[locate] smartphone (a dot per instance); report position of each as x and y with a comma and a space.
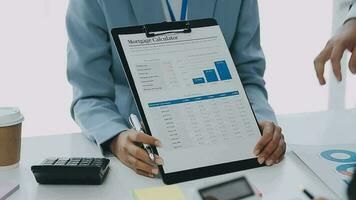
235, 189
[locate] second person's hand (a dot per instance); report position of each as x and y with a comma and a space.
125, 148
271, 148
334, 50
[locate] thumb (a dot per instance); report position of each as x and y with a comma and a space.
352, 62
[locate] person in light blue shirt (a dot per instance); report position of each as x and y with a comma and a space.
102, 99
344, 39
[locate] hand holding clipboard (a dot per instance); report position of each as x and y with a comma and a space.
131, 153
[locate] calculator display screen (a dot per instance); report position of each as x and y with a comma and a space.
231, 190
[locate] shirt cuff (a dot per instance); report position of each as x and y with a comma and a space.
105, 131
258, 100
351, 14
105, 147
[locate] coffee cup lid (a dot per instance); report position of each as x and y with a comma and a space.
10, 116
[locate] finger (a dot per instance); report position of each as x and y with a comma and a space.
159, 160
144, 138
140, 172
143, 126
320, 198
271, 146
335, 59
125, 161
352, 62
139, 165
320, 60
278, 161
267, 136
143, 173
139, 153
276, 156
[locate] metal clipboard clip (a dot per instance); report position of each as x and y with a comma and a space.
176, 27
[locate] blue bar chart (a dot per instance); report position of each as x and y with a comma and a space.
210, 75
198, 80
223, 70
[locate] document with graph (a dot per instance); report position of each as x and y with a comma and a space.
334, 164
192, 97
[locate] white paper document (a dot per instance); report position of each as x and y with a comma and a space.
334, 164
192, 97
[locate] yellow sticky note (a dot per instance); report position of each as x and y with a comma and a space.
170, 192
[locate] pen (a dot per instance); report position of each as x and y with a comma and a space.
306, 192
135, 123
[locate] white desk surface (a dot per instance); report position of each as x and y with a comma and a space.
277, 182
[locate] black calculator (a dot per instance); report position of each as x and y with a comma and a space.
81, 171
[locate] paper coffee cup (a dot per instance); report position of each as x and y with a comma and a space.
10, 137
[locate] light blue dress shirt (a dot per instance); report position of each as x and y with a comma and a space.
352, 12
102, 100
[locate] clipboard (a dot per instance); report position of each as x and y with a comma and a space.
215, 85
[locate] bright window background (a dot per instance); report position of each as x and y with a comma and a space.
33, 59
33, 65
292, 34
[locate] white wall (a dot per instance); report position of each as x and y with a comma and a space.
33, 59
33, 64
293, 33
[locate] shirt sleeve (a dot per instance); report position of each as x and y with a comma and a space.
88, 71
249, 60
352, 12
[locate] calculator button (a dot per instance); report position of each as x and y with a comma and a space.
49, 161
48, 164
85, 162
59, 164
97, 162
63, 160
72, 164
